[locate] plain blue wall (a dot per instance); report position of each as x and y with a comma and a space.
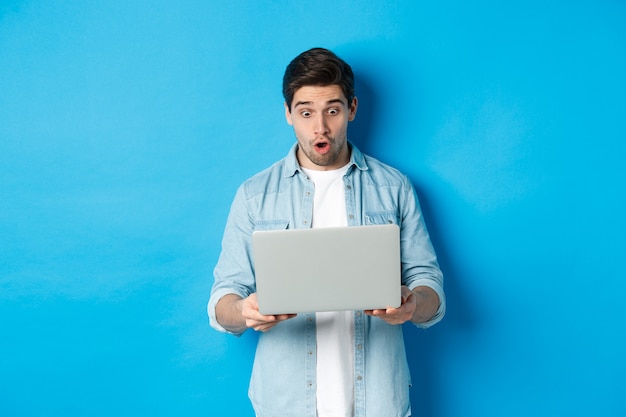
125, 128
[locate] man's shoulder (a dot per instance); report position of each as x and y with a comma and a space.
265, 180
274, 170
383, 172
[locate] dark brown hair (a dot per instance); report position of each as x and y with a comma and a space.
320, 67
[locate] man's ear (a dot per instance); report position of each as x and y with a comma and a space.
288, 114
353, 107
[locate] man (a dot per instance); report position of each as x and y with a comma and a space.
338, 363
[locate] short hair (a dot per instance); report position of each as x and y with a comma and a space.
317, 67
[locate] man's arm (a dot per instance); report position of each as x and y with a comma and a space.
419, 306
237, 314
420, 269
426, 304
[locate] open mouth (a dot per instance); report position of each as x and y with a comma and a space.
322, 147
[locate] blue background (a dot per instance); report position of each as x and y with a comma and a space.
125, 128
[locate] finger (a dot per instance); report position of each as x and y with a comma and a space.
264, 323
264, 327
405, 293
251, 311
377, 312
282, 317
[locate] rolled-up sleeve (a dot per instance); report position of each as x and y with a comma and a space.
234, 272
419, 261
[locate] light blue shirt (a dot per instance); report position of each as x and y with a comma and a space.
283, 375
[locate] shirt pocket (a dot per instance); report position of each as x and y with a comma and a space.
271, 225
382, 217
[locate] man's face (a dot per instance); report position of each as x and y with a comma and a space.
320, 116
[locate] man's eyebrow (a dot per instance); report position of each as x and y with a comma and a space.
308, 103
302, 103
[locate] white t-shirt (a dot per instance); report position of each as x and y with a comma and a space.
335, 330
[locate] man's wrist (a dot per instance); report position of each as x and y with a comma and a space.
427, 304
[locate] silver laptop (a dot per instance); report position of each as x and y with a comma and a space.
327, 269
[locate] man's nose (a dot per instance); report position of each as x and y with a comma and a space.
321, 125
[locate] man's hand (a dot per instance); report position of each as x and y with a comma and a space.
257, 321
418, 306
237, 314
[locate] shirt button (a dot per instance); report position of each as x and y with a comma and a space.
358, 378
349, 187
359, 346
351, 216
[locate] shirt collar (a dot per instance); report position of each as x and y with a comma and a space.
291, 166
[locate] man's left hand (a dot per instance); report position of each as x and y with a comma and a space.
419, 305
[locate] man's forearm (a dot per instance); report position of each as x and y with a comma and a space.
427, 304
228, 313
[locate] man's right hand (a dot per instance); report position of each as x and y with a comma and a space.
237, 314
256, 320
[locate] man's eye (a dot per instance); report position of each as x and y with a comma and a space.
305, 113
333, 111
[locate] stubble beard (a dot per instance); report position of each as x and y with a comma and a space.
324, 160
